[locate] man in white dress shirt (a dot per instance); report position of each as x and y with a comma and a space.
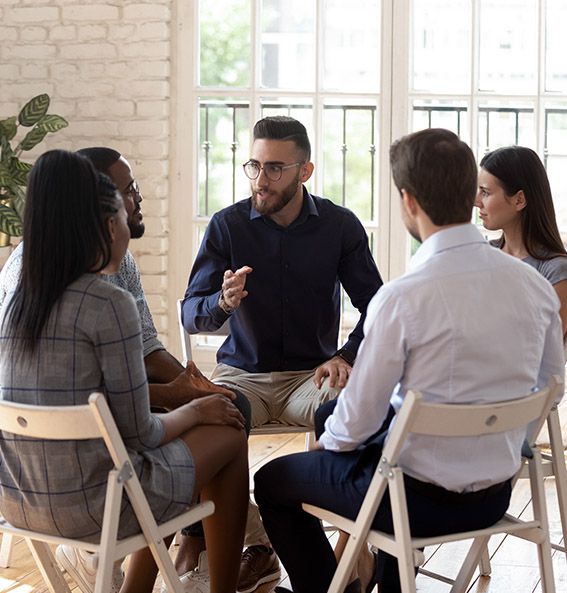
467, 323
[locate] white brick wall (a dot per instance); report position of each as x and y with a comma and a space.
106, 66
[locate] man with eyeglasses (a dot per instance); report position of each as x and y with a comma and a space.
273, 264
171, 385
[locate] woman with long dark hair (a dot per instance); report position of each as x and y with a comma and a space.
514, 196
64, 333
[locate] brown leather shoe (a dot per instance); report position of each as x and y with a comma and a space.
259, 564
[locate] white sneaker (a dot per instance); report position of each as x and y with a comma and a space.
82, 567
196, 580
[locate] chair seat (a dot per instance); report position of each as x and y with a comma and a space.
278, 428
124, 546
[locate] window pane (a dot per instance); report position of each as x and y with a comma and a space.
223, 139
504, 125
556, 161
441, 45
556, 130
224, 48
557, 173
508, 46
556, 65
349, 160
299, 108
451, 115
352, 45
288, 44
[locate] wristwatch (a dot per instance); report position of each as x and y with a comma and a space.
225, 306
346, 355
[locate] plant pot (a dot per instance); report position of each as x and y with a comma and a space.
4, 239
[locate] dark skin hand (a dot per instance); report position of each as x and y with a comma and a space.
188, 384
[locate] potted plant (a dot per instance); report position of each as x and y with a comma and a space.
13, 171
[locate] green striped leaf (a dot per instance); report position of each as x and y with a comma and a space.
10, 222
18, 200
5, 176
8, 128
33, 137
19, 171
34, 110
7, 151
52, 123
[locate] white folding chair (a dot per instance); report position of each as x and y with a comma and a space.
95, 421
265, 429
416, 416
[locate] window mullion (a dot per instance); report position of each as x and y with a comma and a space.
396, 43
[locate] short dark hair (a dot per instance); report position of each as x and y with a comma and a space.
520, 168
440, 171
101, 157
282, 127
65, 236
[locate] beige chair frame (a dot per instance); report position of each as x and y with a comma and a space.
95, 421
553, 465
265, 429
416, 416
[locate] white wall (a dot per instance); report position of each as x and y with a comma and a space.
106, 67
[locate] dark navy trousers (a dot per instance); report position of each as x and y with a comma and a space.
338, 482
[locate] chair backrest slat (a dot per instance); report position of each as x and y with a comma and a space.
49, 422
462, 420
465, 420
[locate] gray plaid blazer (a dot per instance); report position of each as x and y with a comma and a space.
92, 342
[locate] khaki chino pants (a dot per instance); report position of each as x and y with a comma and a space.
288, 397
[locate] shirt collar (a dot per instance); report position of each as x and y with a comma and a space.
309, 208
444, 239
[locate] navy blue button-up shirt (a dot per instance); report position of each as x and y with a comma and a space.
290, 319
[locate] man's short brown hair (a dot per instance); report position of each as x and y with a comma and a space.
440, 171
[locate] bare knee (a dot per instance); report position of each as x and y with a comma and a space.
213, 448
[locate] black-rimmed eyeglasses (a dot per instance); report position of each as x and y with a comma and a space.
271, 171
133, 190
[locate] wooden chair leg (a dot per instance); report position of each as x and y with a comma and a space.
6, 550
484, 563
559, 471
48, 567
540, 513
472, 560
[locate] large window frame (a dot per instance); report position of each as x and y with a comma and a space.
395, 117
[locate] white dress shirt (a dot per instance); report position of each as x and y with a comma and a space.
467, 324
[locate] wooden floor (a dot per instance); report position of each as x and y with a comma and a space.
514, 561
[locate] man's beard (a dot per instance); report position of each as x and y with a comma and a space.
282, 199
136, 228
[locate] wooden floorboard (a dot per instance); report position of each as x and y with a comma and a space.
514, 562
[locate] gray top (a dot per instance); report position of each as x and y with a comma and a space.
127, 277
91, 342
554, 270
